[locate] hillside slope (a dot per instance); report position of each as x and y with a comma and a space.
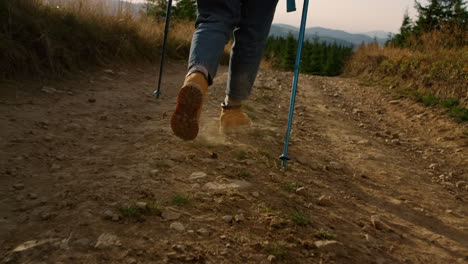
91, 173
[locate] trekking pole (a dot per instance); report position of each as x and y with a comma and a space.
284, 157
166, 31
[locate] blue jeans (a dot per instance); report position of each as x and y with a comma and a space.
217, 20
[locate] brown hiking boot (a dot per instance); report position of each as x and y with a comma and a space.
184, 121
233, 119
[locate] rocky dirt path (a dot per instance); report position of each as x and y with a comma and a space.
90, 173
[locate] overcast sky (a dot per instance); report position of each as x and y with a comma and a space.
349, 15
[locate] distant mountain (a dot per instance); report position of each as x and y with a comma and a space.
378, 34
326, 35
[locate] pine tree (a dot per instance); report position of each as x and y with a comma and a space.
185, 10
156, 9
289, 53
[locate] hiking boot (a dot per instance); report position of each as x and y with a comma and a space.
185, 120
233, 119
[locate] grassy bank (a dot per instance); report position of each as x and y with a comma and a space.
429, 70
38, 39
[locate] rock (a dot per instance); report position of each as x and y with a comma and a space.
197, 175
363, 142
83, 242
179, 248
47, 215
278, 223
170, 215
178, 226
141, 205
271, 258
106, 240
204, 232
376, 222
50, 90
301, 191
335, 165
324, 200
394, 102
256, 194
357, 111
108, 214
175, 156
224, 186
154, 173
239, 218
433, 166
227, 219
18, 186
460, 184
131, 261
109, 71
321, 244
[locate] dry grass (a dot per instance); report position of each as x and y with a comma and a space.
63, 36
434, 63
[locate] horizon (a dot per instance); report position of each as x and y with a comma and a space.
358, 16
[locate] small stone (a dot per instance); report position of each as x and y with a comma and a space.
239, 218
271, 258
203, 232
363, 142
106, 240
301, 191
321, 244
18, 186
131, 261
324, 200
357, 111
109, 71
141, 205
108, 214
433, 166
170, 215
178, 226
335, 165
175, 156
179, 248
376, 222
256, 194
197, 175
460, 184
154, 173
227, 219
32, 196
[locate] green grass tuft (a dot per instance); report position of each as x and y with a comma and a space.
299, 218
181, 199
279, 249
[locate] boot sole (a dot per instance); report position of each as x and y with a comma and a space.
184, 121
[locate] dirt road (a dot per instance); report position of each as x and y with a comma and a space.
91, 173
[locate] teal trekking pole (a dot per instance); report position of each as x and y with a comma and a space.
291, 7
163, 53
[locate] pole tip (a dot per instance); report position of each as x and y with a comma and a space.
157, 93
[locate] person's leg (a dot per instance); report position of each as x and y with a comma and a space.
250, 39
249, 43
215, 21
